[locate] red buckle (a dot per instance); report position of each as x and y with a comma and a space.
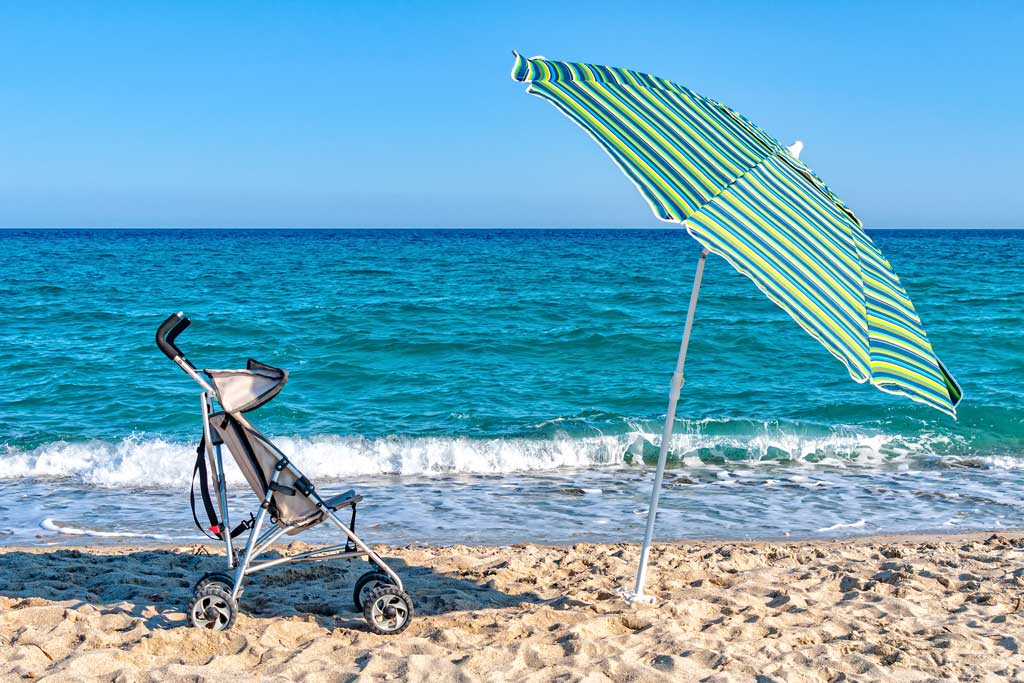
215, 529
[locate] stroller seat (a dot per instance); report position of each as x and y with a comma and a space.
290, 504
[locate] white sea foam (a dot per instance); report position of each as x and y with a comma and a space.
859, 524
148, 461
68, 530
137, 461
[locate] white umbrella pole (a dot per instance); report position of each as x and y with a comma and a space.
666, 436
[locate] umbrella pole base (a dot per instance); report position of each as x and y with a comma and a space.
634, 598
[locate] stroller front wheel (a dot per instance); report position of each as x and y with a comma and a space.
213, 608
219, 579
388, 610
366, 583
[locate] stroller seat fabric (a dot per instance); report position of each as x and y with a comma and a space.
257, 460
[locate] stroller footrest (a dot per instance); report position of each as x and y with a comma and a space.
342, 500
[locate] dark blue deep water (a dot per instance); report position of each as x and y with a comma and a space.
497, 385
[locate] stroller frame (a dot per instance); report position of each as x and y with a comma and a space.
385, 597
242, 562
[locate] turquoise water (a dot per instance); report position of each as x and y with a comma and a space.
497, 385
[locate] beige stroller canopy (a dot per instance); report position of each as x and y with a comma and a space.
239, 391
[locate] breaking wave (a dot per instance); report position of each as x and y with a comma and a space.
142, 461
136, 461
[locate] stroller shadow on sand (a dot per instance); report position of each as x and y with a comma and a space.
156, 586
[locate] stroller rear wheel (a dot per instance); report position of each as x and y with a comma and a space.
213, 608
219, 579
388, 610
366, 583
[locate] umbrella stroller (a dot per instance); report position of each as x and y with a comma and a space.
286, 495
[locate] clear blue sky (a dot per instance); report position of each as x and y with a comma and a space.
403, 114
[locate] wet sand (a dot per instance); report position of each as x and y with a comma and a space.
910, 608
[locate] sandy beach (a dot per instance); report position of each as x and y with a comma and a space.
921, 608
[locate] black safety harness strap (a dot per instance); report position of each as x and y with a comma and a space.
204, 493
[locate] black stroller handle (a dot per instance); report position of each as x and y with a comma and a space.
168, 331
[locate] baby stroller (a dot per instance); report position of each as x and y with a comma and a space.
286, 496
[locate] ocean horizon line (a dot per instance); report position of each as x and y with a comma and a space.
443, 228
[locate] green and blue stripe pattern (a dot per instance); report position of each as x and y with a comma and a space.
743, 196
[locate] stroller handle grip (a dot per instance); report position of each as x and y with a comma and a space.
168, 331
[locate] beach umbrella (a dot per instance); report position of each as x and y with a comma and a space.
747, 198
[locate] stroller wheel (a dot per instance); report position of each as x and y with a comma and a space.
388, 610
369, 581
213, 608
219, 579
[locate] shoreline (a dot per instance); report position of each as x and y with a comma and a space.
68, 541
892, 607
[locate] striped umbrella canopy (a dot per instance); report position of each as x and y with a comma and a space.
749, 199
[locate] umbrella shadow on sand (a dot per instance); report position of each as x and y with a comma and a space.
156, 586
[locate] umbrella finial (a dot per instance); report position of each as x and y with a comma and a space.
796, 148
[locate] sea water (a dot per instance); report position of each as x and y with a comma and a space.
495, 386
